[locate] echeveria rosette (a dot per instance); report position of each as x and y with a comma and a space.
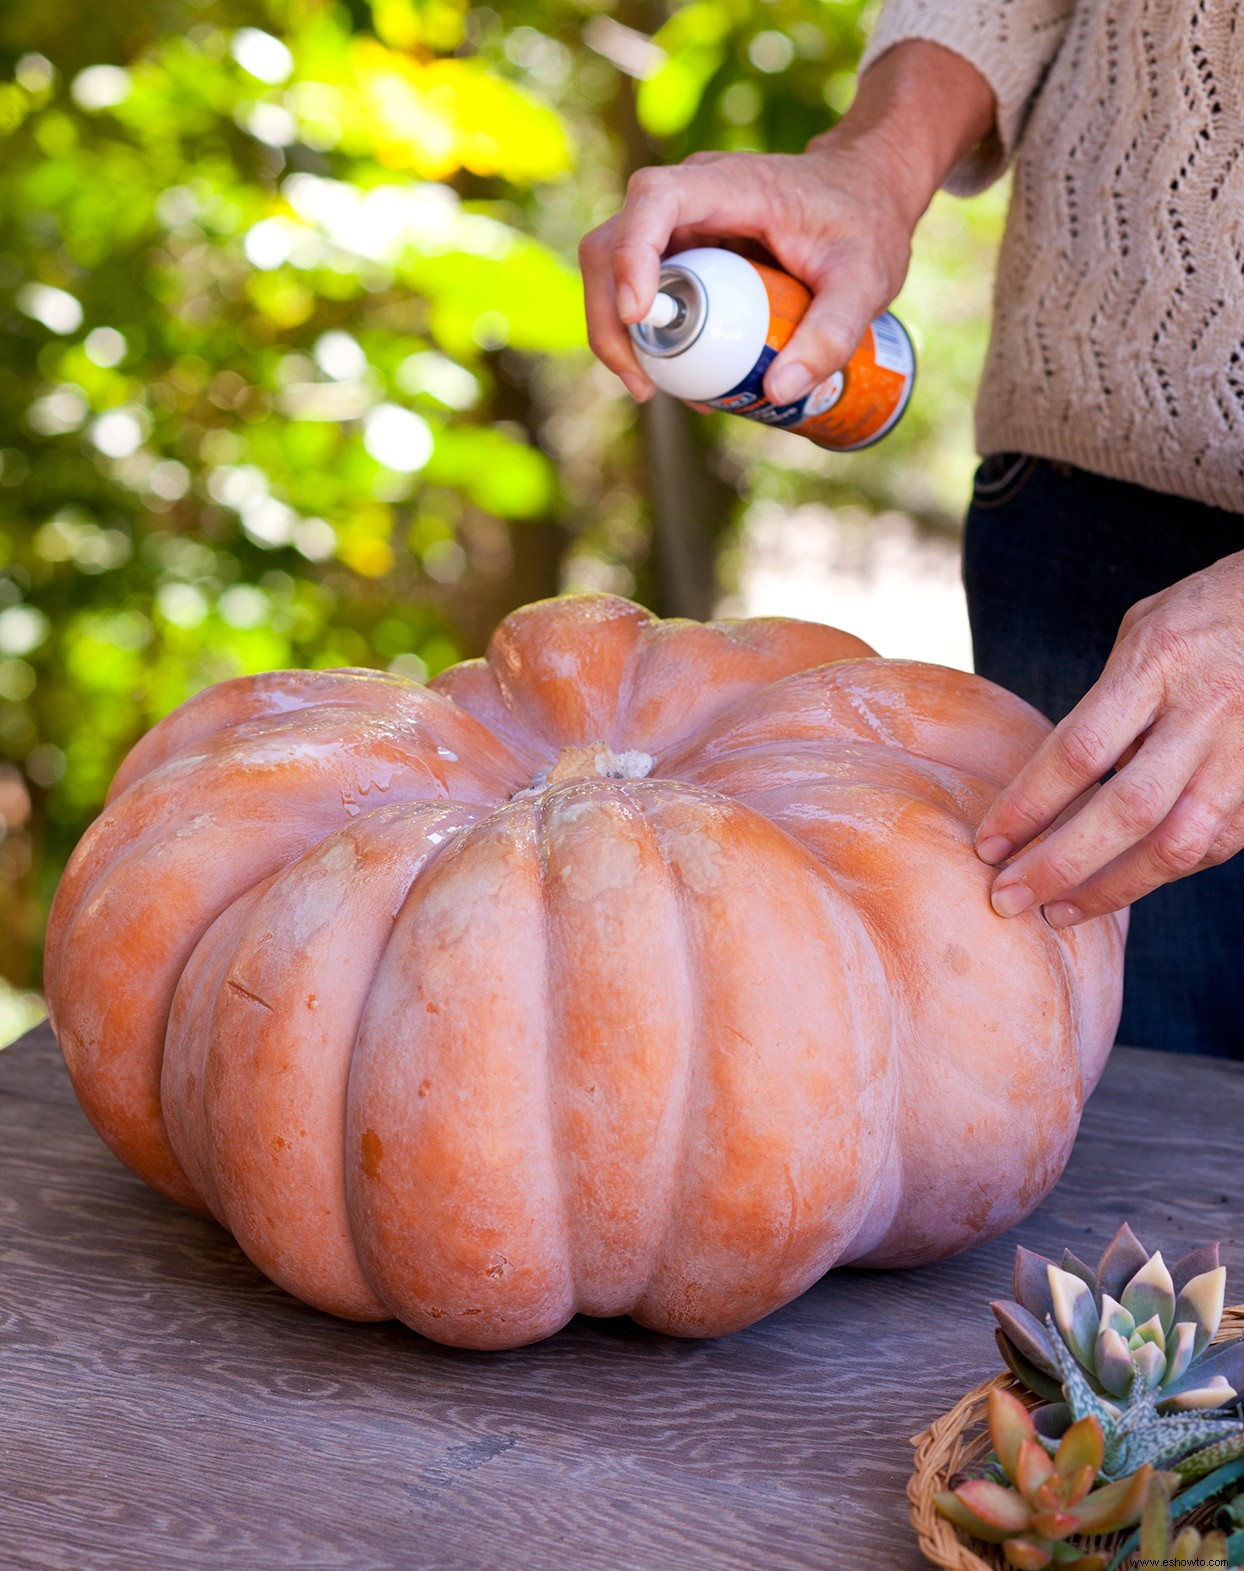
1131, 1319
1052, 1498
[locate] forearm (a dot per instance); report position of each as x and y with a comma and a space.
918, 110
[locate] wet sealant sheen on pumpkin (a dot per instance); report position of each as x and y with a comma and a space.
718, 322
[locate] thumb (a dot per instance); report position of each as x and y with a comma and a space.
824, 341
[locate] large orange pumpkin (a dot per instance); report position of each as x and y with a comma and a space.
641, 968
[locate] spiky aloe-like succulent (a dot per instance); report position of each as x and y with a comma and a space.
1053, 1497
1137, 1433
1130, 1319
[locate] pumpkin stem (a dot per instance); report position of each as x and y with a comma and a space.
574, 763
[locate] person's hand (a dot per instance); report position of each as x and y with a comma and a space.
831, 217
839, 216
1168, 711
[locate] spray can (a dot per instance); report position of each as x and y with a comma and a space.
719, 320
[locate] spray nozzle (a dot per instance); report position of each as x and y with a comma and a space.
664, 311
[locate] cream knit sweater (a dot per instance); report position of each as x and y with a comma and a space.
1118, 328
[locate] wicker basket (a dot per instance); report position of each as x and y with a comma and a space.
960, 1438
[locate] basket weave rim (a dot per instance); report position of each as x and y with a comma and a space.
938, 1453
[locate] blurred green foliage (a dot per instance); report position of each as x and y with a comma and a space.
292, 365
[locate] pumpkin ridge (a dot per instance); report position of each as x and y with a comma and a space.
394, 843
225, 759
341, 687
107, 872
693, 1090
553, 1052
724, 1206
816, 698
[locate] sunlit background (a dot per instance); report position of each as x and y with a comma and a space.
292, 365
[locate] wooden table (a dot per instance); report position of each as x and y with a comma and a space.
164, 1408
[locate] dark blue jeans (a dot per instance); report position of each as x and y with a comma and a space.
1053, 558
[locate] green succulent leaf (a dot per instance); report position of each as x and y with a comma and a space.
1151, 1330
1213, 1393
1155, 1523
1081, 1398
1075, 1313
1151, 1292
1026, 1334
1112, 1359
1032, 1283
1115, 1318
1124, 1255
1207, 1460
1195, 1263
1200, 1301
1076, 1267
1226, 1359
1150, 1363
1043, 1385
1180, 1350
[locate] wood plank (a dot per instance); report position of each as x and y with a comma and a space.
163, 1406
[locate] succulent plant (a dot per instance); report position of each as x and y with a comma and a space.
1052, 1498
1161, 1545
1138, 1432
1129, 1319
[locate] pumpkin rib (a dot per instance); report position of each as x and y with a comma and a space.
161, 866
607, 893
246, 699
187, 1044
276, 1104
823, 704
219, 767
896, 945
542, 659
449, 1193
740, 657
751, 1093
554, 1050
472, 687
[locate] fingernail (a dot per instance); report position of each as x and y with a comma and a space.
639, 391
993, 849
789, 382
1062, 913
628, 302
1012, 899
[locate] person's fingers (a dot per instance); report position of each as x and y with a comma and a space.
1125, 811
1203, 829
1079, 751
830, 331
658, 201
609, 340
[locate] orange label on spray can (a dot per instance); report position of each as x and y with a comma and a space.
850, 409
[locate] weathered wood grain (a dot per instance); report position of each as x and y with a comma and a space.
164, 1408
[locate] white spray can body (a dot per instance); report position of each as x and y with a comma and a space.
718, 322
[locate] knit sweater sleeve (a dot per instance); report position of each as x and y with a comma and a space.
1010, 42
